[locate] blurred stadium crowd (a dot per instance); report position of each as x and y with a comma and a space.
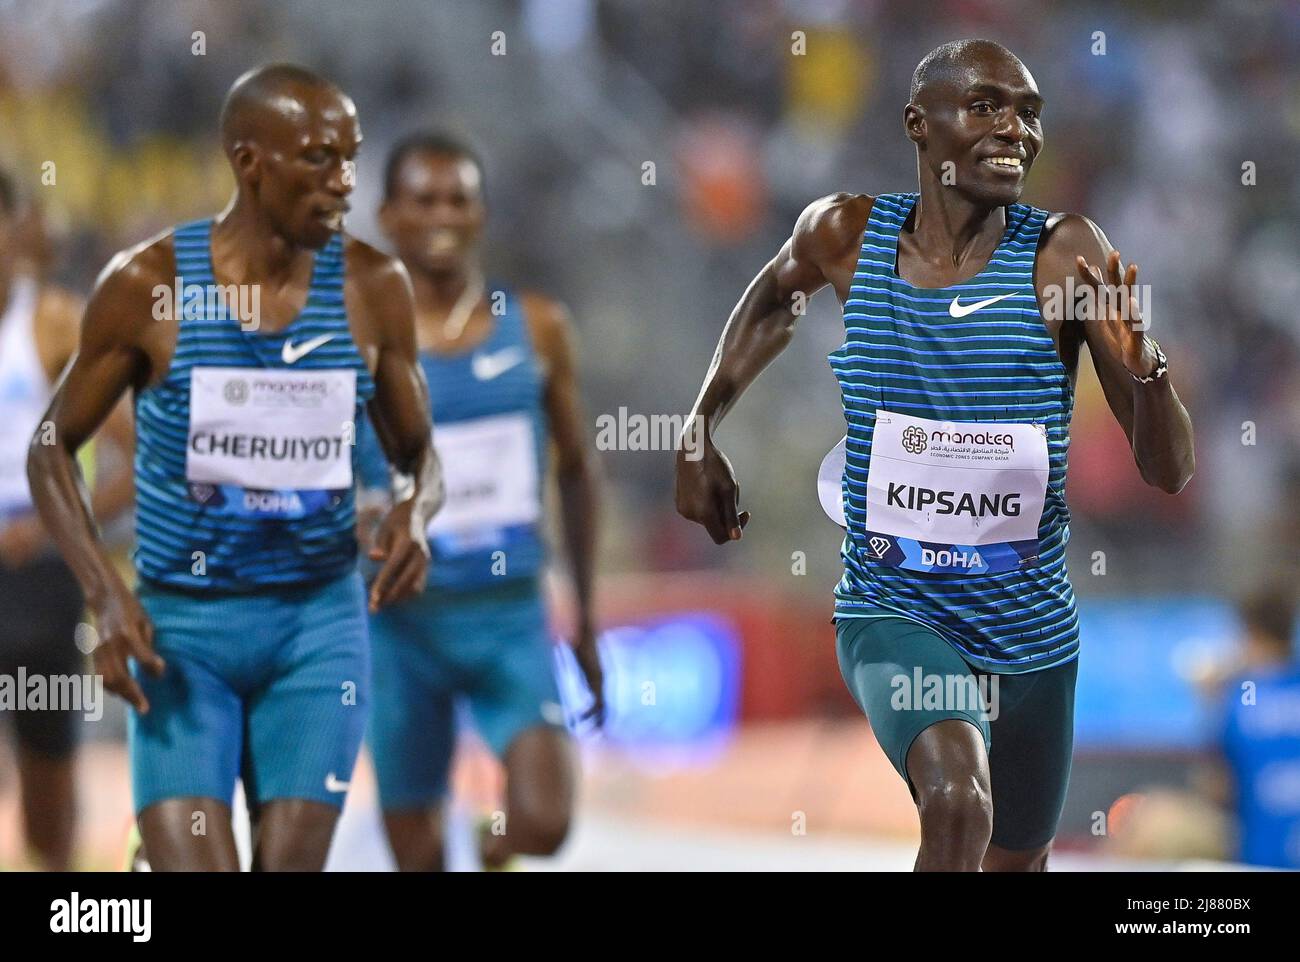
1174, 126
1148, 138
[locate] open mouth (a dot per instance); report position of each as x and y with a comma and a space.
443, 242
332, 217
1008, 164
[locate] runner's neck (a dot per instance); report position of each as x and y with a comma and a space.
437, 293
447, 307
954, 228
246, 249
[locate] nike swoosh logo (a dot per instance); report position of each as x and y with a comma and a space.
488, 366
332, 784
958, 310
293, 352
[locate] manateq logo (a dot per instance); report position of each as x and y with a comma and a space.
973, 437
914, 439
236, 390
75, 915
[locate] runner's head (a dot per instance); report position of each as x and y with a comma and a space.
1268, 618
290, 136
973, 101
433, 208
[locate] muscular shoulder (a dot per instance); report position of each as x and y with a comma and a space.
373, 273
1066, 236
141, 268
378, 295
549, 323
130, 285
831, 224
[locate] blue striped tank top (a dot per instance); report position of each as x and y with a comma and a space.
238, 409
490, 432
905, 353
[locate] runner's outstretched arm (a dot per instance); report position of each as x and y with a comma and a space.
759, 329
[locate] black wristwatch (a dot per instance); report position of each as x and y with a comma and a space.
1162, 366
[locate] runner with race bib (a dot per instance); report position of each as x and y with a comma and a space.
503, 385
958, 388
252, 342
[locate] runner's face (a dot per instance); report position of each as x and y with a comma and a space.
436, 215
990, 110
306, 169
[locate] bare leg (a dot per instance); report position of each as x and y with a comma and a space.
293, 835
189, 835
415, 837
541, 778
49, 802
949, 769
1007, 860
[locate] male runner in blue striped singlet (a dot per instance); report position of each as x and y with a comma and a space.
964, 315
503, 381
253, 343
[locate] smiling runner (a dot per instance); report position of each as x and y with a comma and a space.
962, 340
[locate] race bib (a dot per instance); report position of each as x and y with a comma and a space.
490, 472
954, 496
270, 443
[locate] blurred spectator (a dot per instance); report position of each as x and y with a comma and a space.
1260, 735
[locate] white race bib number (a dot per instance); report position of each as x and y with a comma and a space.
490, 471
955, 496
265, 441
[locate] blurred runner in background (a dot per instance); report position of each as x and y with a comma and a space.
504, 390
40, 602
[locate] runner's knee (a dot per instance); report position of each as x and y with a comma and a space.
544, 825
1007, 860
955, 804
415, 838
294, 836
949, 772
